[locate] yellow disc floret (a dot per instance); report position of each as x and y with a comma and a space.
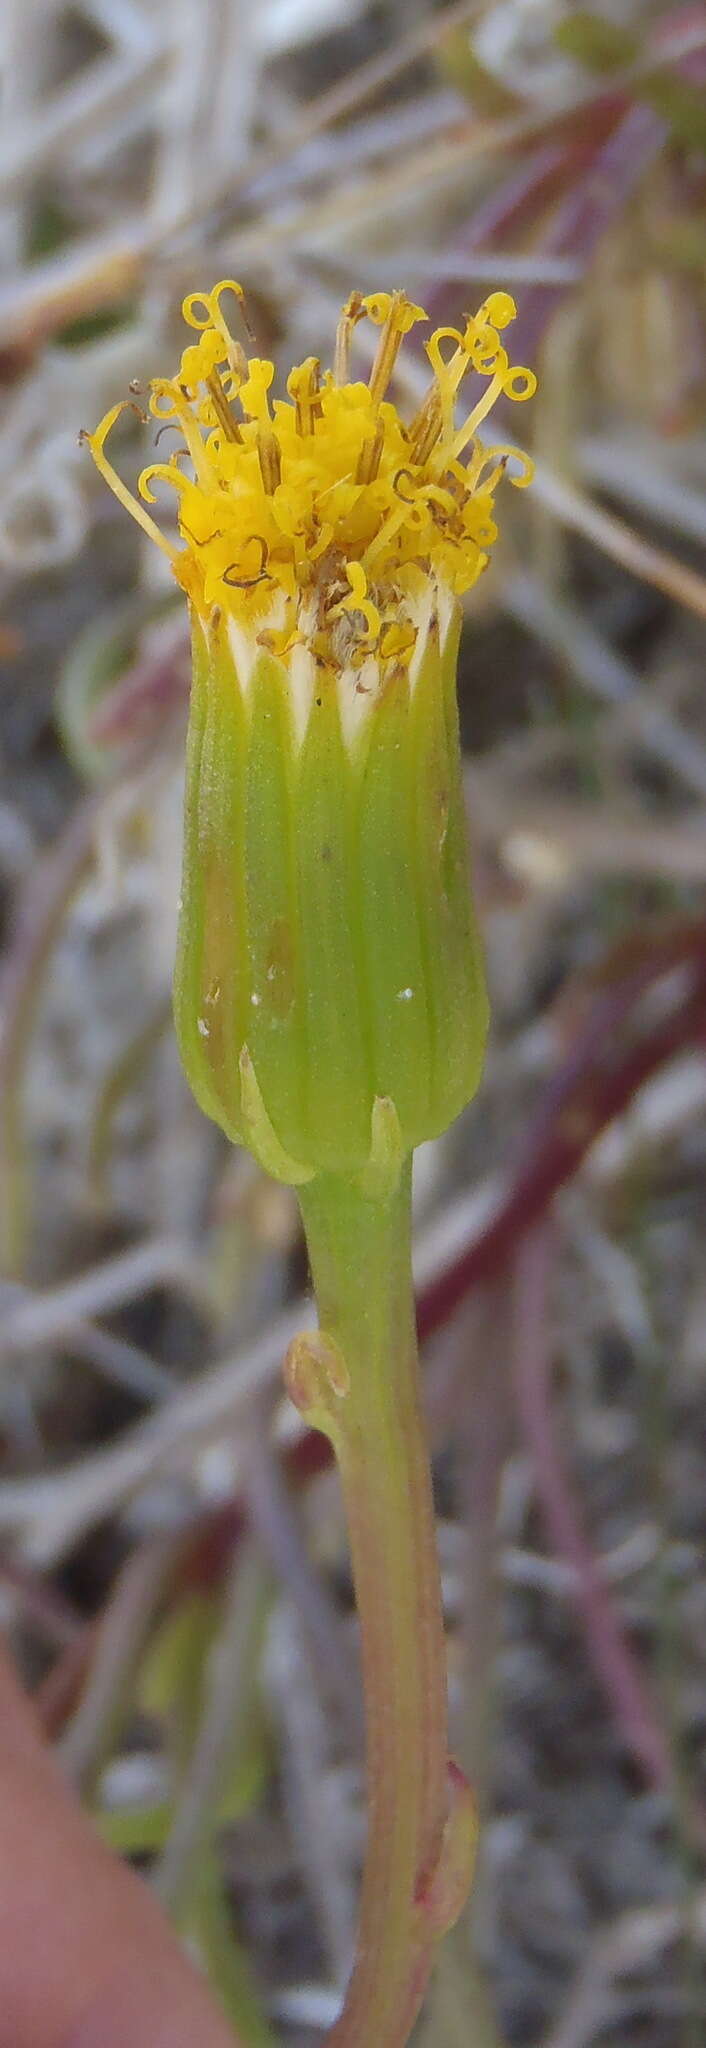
323, 513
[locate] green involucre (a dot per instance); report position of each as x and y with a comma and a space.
328, 951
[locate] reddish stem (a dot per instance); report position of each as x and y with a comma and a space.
597, 1082
612, 1658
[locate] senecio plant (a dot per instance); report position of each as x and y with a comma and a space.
329, 994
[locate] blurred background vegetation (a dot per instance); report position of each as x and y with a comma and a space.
173, 1561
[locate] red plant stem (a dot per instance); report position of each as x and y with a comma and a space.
581, 220
601, 163
597, 1083
612, 1658
517, 201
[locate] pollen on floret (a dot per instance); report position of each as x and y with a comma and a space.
319, 518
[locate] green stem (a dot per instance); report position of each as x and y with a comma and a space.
360, 1383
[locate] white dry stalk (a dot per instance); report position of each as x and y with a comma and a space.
37, 1318
125, 1625
313, 1789
222, 1731
595, 666
636, 1942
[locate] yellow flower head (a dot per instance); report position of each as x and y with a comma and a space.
321, 518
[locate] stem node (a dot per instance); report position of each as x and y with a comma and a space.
316, 1378
442, 1895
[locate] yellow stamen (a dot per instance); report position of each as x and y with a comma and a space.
396, 314
303, 385
221, 408
327, 491
353, 311
368, 462
426, 426
270, 461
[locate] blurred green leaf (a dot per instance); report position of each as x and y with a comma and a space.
49, 227
172, 1688
681, 242
592, 40
171, 1680
681, 105
93, 326
135, 1830
99, 655
459, 66
210, 1926
604, 47
98, 658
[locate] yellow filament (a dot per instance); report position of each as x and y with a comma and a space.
96, 443
215, 318
358, 600
168, 474
499, 383
495, 461
181, 410
449, 373
479, 413
395, 520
